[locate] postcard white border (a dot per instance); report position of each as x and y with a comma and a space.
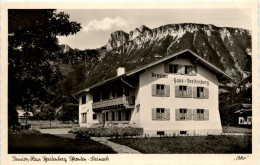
6, 159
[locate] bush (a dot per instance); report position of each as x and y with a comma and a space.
20, 132
84, 132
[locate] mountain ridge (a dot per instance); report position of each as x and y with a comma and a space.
227, 48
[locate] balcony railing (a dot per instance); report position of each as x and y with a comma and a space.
123, 100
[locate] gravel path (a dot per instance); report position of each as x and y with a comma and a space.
120, 149
55, 131
63, 132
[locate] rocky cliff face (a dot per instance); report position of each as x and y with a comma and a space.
227, 48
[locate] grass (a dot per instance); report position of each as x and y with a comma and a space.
45, 143
231, 129
190, 144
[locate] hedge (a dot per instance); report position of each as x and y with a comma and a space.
84, 132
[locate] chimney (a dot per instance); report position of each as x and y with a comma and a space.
120, 71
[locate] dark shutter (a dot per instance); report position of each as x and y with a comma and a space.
166, 68
167, 114
194, 92
153, 114
167, 88
177, 114
189, 114
206, 93
177, 91
153, 89
206, 114
195, 115
189, 91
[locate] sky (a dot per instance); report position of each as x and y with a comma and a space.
98, 24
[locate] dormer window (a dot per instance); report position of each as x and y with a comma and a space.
181, 69
83, 99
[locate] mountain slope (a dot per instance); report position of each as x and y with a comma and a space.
227, 48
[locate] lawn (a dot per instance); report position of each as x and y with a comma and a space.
190, 144
232, 129
45, 143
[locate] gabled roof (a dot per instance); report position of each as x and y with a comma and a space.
164, 59
21, 113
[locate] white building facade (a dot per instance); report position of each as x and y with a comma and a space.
176, 95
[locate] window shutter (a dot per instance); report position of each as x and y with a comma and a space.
167, 88
189, 91
153, 114
167, 113
206, 93
189, 114
206, 114
194, 92
153, 89
195, 116
166, 68
181, 69
177, 114
177, 91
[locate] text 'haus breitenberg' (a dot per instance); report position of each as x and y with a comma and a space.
177, 94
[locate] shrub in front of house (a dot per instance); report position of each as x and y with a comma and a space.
83, 132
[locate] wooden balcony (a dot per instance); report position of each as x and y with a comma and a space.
123, 101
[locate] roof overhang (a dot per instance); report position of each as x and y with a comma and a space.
198, 59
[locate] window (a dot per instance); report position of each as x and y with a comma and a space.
183, 114
241, 121
83, 99
201, 92
183, 132
127, 115
113, 93
106, 116
119, 115
94, 116
183, 91
181, 69
105, 96
83, 117
200, 114
173, 68
113, 115
96, 96
160, 113
161, 90
119, 91
161, 133
188, 69
249, 119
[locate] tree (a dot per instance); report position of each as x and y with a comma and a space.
68, 113
33, 56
